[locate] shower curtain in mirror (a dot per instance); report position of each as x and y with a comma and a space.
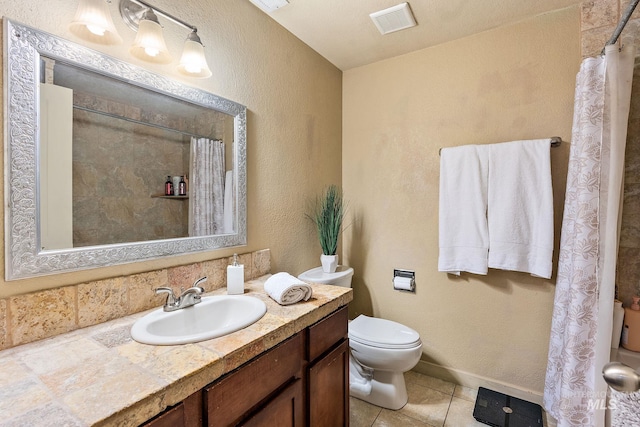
580, 339
206, 195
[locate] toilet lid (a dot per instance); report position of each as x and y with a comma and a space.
317, 275
382, 333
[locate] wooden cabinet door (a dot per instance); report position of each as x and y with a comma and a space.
284, 410
229, 400
329, 389
187, 413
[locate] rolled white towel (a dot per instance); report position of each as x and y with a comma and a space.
286, 289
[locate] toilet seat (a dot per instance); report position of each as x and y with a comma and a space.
382, 333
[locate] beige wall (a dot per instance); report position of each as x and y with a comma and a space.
293, 97
506, 84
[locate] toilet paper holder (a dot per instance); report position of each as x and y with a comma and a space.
404, 280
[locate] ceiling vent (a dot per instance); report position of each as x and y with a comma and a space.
395, 18
270, 5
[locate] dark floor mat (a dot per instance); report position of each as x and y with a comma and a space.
501, 410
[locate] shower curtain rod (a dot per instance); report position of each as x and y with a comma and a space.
140, 122
621, 24
555, 141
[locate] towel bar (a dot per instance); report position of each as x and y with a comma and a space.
555, 142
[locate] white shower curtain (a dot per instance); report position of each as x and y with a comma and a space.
206, 198
580, 339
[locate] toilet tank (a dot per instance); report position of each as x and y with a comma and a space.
342, 276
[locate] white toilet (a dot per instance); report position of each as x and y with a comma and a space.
381, 350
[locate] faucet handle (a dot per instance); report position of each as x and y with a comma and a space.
171, 297
195, 290
200, 280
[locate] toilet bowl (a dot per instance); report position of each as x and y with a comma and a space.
380, 350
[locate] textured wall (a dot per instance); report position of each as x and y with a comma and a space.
293, 97
511, 83
599, 20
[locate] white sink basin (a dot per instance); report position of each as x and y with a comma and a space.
215, 316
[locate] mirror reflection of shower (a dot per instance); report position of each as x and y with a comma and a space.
106, 150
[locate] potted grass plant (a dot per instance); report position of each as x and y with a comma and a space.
327, 214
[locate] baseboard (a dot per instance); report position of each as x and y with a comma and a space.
467, 379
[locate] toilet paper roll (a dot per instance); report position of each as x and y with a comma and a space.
403, 283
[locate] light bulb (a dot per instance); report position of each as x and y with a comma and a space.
98, 31
151, 51
192, 69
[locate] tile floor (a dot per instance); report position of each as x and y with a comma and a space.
432, 403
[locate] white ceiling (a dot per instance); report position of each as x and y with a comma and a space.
342, 32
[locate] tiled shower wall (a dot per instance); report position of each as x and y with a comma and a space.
43, 314
599, 19
118, 167
628, 275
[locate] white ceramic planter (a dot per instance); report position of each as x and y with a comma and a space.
329, 263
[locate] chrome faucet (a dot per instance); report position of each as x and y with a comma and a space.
191, 296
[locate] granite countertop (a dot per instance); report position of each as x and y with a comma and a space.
100, 376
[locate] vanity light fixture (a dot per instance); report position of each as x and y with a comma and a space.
149, 44
193, 62
93, 22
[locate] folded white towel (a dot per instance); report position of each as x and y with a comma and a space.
286, 289
463, 234
520, 207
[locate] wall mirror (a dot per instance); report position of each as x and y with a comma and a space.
90, 145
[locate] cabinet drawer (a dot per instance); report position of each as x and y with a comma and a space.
227, 400
327, 333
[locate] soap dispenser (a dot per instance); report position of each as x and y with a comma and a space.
235, 277
631, 327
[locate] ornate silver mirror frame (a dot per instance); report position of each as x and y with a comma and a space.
23, 258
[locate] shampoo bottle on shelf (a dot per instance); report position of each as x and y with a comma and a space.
182, 187
168, 187
631, 326
235, 277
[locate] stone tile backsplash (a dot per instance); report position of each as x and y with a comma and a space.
44, 314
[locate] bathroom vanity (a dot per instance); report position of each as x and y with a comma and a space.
302, 381
288, 368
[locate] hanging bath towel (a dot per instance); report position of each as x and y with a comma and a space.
463, 232
496, 208
520, 207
